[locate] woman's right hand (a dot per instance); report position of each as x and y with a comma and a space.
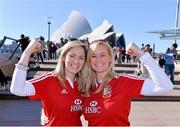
33, 47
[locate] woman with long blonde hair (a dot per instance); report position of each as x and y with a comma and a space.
108, 98
59, 91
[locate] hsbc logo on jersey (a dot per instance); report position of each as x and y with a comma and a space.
77, 102
76, 106
93, 103
93, 108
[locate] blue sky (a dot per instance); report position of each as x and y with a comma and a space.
132, 17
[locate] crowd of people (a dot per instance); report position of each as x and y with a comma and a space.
121, 55
48, 49
84, 83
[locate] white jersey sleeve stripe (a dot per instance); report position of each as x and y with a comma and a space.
131, 76
41, 77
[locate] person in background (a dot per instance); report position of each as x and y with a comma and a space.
170, 58
108, 96
40, 53
141, 70
53, 48
142, 46
123, 54
24, 41
3, 80
60, 90
161, 61
144, 71
117, 54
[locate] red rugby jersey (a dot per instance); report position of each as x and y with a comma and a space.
113, 110
63, 107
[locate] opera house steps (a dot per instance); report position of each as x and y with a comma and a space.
128, 68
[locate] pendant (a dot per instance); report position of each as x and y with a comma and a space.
107, 92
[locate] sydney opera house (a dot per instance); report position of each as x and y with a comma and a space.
77, 26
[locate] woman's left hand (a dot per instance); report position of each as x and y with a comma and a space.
44, 118
134, 50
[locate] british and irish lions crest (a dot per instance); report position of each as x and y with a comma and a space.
107, 92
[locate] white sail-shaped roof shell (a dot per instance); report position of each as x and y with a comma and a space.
75, 26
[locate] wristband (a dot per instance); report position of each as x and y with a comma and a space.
22, 67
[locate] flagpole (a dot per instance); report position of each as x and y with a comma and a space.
177, 17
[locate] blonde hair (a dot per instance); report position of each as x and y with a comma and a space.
92, 74
59, 71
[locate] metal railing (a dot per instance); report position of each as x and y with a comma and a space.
10, 38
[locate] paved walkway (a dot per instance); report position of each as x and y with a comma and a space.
155, 114
22, 112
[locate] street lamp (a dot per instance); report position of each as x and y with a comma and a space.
49, 21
